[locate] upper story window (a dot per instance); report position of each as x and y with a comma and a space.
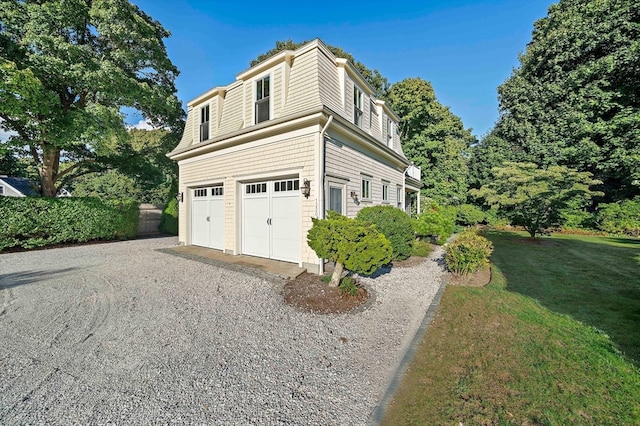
357, 106
204, 123
389, 132
262, 100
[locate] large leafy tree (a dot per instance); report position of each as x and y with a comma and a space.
373, 77
575, 98
535, 198
433, 138
67, 68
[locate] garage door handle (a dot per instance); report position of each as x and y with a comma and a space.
208, 219
269, 221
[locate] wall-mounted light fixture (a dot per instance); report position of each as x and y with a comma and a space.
180, 197
306, 188
354, 196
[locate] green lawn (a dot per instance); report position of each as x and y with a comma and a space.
542, 344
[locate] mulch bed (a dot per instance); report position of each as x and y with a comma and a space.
308, 293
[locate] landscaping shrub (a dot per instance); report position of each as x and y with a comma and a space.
469, 215
421, 249
394, 224
620, 218
468, 253
353, 245
169, 219
38, 222
436, 222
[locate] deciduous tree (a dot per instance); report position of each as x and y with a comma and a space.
67, 68
533, 197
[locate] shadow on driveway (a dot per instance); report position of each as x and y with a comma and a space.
17, 279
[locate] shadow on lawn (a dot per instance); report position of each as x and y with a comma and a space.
593, 280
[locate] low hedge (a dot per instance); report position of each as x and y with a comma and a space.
37, 222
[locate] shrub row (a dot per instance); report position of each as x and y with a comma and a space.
468, 253
37, 222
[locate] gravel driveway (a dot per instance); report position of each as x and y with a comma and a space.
121, 333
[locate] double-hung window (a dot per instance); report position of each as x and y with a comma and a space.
357, 106
262, 100
399, 197
389, 132
366, 188
204, 123
385, 192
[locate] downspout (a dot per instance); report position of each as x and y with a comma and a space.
321, 175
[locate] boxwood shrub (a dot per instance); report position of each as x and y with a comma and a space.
37, 222
394, 224
169, 219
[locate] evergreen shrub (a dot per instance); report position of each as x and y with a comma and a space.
620, 218
394, 224
37, 222
435, 222
169, 218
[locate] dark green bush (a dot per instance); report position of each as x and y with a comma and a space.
469, 215
620, 218
468, 253
169, 219
436, 222
394, 224
348, 286
38, 222
353, 245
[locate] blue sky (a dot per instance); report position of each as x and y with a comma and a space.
464, 48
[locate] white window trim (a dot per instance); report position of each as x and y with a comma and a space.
356, 90
385, 185
200, 122
399, 200
254, 95
336, 183
369, 179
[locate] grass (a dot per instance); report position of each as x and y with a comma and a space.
542, 344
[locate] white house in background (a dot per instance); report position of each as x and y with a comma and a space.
294, 136
16, 187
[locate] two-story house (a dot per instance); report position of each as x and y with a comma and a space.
294, 136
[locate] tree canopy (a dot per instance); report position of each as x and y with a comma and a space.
433, 138
533, 197
67, 68
575, 98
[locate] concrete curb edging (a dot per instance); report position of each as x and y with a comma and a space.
375, 418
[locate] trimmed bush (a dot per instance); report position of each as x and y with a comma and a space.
37, 222
468, 253
620, 218
394, 224
469, 215
353, 245
169, 219
435, 222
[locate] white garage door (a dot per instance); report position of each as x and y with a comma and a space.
271, 219
207, 217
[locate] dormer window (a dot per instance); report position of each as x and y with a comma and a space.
262, 100
204, 123
389, 133
357, 106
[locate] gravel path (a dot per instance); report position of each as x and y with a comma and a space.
120, 333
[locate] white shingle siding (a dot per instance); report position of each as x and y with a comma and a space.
232, 116
304, 91
273, 157
347, 160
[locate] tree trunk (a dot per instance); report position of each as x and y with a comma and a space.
49, 172
337, 274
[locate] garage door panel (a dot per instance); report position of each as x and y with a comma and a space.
285, 228
255, 233
200, 223
216, 210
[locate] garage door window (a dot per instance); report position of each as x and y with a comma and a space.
286, 185
256, 188
201, 192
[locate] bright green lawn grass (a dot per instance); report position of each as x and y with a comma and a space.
496, 355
